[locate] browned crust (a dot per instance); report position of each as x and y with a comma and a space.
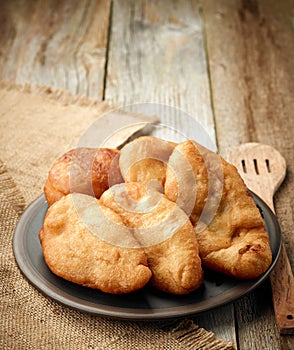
83, 170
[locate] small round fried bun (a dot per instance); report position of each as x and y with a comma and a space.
83, 170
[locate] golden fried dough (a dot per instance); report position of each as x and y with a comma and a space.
236, 241
87, 243
231, 234
165, 233
83, 170
144, 160
187, 179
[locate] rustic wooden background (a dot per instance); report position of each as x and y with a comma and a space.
229, 62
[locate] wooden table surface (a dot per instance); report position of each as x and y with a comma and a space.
228, 62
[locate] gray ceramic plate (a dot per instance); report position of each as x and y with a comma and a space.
147, 304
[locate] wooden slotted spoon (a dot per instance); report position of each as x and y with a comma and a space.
263, 169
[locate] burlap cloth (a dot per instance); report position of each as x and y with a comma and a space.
36, 127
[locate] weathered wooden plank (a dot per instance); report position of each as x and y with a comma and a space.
57, 43
156, 55
251, 53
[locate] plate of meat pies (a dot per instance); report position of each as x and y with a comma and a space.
155, 230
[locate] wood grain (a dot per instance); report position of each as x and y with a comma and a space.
156, 54
262, 168
251, 52
61, 44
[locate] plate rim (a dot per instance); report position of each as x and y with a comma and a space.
39, 281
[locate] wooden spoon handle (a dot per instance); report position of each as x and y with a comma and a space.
282, 283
